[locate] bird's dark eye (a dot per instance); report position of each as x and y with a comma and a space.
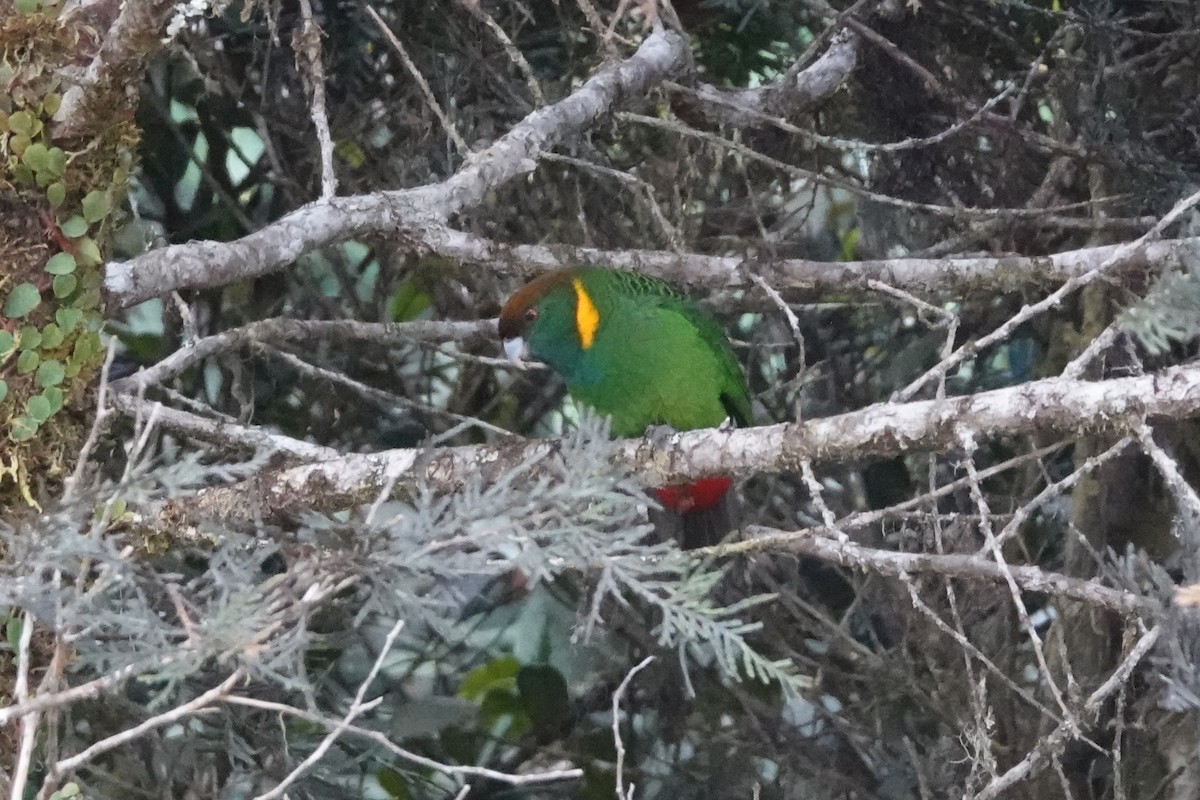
530, 314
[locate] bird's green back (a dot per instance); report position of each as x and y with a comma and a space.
657, 358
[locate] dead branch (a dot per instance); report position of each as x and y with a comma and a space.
208, 263
1048, 407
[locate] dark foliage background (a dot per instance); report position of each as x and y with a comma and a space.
1075, 124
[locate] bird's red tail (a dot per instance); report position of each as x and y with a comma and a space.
703, 510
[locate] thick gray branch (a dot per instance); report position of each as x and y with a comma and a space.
209, 264
1050, 407
793, 92
937, 277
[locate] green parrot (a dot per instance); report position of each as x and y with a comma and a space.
635, 348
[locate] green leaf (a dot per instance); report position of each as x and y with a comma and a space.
36, 157
26, 6
393, 783
545, 698
88, 299
23, 429
61, 264
51, 103
63, 286
7, 342
49, 373
29, 337
96, 205
86, 346
75, 227
38, 407
407, 302
12, 632
3, 389
21, 122
54, 396
52, 336
89, 253
56, 193
68, 318
18, 144
499, 673
28, 361
66, 792
24, 298
57, 164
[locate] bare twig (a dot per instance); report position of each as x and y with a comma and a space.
1053, 743
207, 264
1051, 301
447, 124
897, 564
66, 765
29, 722
476, 9
222, 433
357, 708
622, 793
307, 44
382, 740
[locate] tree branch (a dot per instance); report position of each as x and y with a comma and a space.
937, 277
208, 264
956, 565
1048, 407
118, 64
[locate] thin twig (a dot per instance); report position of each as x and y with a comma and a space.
514, 54
66, 765
447, 125
1053, 743
1050, 301
29, 722
307, 44
381, 739
622, 794
357, 708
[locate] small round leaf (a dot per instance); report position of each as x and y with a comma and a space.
64, 284
68, 318
29, 338
57, 161
51, 102
36, 156
27, 362
56, 193
23, 429
86, 300
49, 373
52, 336
7, 342
38, 407
3, 389
21, 300
61, 264
75, 227
89, 253
96, 206
21, 123
54, 396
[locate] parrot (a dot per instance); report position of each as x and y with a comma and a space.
638, 350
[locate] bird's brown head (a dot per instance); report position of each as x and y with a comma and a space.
536, 312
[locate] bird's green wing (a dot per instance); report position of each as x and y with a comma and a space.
667, 297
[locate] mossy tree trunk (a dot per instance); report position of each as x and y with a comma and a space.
67, 143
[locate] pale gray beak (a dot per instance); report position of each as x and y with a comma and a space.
515, 349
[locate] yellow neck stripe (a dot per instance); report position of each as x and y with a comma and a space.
587, 318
